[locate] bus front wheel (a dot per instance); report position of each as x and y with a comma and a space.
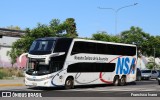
69, 84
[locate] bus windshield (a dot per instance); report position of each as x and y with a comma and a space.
41, 47
38, 67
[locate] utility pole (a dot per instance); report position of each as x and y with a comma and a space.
116, 13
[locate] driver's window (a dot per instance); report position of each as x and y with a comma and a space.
56, 66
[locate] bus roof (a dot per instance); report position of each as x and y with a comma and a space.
52, 38
97, 41
76, 39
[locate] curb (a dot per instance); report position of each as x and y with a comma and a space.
2, 85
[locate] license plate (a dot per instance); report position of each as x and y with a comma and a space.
34, 84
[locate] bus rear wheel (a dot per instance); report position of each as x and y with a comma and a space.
123, 81
69, 83
159, 82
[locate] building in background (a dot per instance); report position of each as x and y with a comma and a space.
7, 37
142, 62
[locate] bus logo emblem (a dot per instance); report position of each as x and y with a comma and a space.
124, 66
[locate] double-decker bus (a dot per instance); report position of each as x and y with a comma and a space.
68, 62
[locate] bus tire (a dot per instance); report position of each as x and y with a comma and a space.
69, 84
123, 81
149, 78
116, 81
158, 82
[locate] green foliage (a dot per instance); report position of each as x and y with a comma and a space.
9, 72
103, 36
134, 35
71, 28
150, 65
54, 29
143, 40
155, 43
115, 39
2, 74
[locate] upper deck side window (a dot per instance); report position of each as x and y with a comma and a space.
84, 47
100, 48
62, 45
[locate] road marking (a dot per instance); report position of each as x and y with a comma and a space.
115, 89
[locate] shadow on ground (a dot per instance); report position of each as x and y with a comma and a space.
142, 82
76, 87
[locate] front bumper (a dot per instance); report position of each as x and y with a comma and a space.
45, 83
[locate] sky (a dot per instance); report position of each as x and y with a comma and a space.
89, 19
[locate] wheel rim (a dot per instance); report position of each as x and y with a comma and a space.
69, 84
122, 81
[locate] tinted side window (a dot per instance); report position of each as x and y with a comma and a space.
62, 45
84, 47
91, 67
115, 49
102, 49
99, 48
57, 62
121, 50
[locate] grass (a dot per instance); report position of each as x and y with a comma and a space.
2, 75
7, 73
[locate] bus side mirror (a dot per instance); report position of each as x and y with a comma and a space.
53, 55
20, 57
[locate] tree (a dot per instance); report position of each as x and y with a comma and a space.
157, 46
57, 28
12, 55
136, 36
150, 65
115, 38
70, 28
103, 36
54, 29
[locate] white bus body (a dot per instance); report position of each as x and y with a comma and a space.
70, 62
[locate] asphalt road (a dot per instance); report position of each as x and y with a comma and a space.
146, 89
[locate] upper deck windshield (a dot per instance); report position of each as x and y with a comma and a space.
38, 67
41, 47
